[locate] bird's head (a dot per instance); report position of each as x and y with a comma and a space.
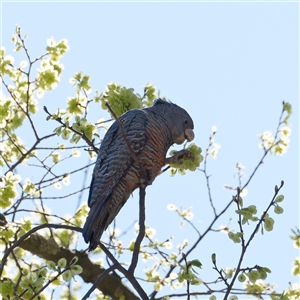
178, 120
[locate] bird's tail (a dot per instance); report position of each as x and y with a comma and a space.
100, 216
94, 226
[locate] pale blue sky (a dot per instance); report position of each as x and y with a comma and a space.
228, 64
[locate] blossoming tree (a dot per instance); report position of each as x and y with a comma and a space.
42, 250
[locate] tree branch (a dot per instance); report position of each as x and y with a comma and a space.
84, 137
207, 176
126, 273
140, 237
244, 248
195, 244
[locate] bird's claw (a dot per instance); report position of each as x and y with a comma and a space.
177, 157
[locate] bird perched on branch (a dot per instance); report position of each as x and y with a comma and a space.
131, 155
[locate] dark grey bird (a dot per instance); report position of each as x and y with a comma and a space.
150, 133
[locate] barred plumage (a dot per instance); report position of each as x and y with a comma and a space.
150, 132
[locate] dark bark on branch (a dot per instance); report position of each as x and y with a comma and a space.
141, 235
48, 249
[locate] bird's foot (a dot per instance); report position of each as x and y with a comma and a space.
177, 157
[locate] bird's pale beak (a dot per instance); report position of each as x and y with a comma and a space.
189, 134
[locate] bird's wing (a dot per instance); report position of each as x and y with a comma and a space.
113, 161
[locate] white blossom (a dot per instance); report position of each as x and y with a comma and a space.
171, 207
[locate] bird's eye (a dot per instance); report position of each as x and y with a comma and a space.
186, 121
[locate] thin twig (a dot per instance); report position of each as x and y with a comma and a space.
207, 176
244, 249
52, 280
99, 279
195, 244
266, 150
29, 151
126, 273
220, 273
141, 234
82, 134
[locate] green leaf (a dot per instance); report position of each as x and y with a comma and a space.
188, 276
252, 209
214, 258
27, 280
279, 198
74, 107
188, 163
181, 277
42, 272
65, 134
196, 263
266, 269
268, 224
253, 276
120, 99
6, 288
196, 281
284, 297
262, 274
88, 130
7, 234
241, 277
244, 212
7, 195
51, 265
278, 209
131, 246
55, 157
149, 91
65, 237
58, 130
62, 263
296, 267
38, 283
240, 201
75, 138
254, 219
84, 83
67, 276
2, 52
236, 237
76, 269
74, 260
27, 225
288, 108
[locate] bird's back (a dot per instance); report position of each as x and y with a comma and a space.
116, 174
150, 132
